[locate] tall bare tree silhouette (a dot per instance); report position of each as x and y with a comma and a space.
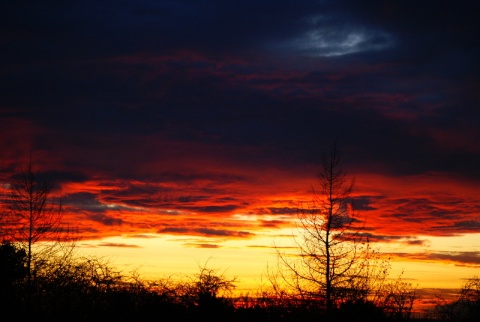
34, 215
332, 257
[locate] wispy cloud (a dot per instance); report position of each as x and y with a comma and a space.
465, 258
206, 232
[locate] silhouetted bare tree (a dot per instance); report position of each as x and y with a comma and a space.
33, 214
332, 260
466, 307
396, 298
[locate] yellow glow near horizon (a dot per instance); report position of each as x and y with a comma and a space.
164, 256
177, 257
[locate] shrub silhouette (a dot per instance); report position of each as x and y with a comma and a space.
13, 274
360, 310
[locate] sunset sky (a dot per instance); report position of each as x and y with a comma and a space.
186, 132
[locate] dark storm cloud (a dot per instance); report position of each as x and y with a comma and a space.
91, 28
105, 219
63, 176
174, 230
89, 202
471, 258
214, 209
84, 200
208, 232
408, 240
457, 227
222, 232
280, 211
202, 245
365, 202
468, 224
443, 24
274, 223
425, 209
118, 245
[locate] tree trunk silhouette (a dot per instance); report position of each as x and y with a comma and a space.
331, 263
34, 215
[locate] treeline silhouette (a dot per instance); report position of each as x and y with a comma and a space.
334, 275
65, 287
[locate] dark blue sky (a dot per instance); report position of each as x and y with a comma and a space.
178, 101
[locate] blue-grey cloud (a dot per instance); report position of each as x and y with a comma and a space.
105, 219
209, 232
118, 245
